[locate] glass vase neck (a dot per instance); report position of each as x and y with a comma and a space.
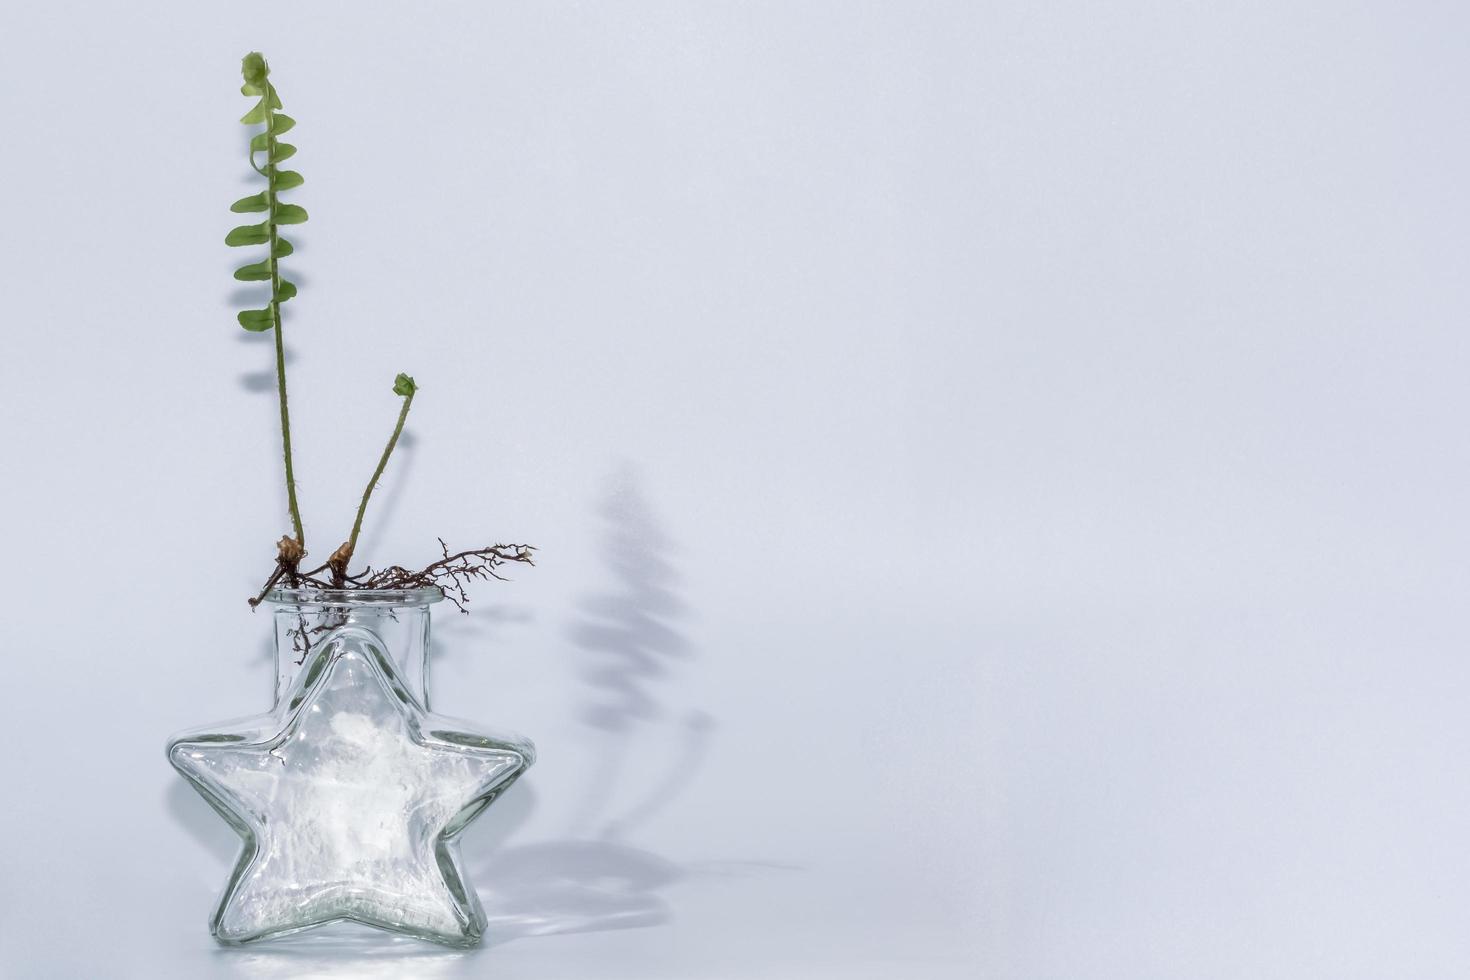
307, 618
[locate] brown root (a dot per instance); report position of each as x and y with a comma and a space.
451, 574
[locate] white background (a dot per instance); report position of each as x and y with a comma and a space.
1028, 441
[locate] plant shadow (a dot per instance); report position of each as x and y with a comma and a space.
263, 379
626, 640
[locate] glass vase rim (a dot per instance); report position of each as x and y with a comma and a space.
396, 598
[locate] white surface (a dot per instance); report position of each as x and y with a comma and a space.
1051, 420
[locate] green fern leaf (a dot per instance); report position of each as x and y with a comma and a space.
256, 321
254, 272
255, 68
255, 202
248, 235
289, 214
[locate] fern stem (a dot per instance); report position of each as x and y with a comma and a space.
270, 192
378, 473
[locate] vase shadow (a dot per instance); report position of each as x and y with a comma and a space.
556, 887
559, 886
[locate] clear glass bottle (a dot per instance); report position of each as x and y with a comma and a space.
350, 792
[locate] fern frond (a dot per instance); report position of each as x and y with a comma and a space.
268, 202
276, 212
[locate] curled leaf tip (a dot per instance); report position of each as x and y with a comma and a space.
403, 385
254, 68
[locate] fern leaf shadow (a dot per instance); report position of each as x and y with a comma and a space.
262, 379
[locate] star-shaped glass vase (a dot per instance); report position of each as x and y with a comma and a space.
350, 793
